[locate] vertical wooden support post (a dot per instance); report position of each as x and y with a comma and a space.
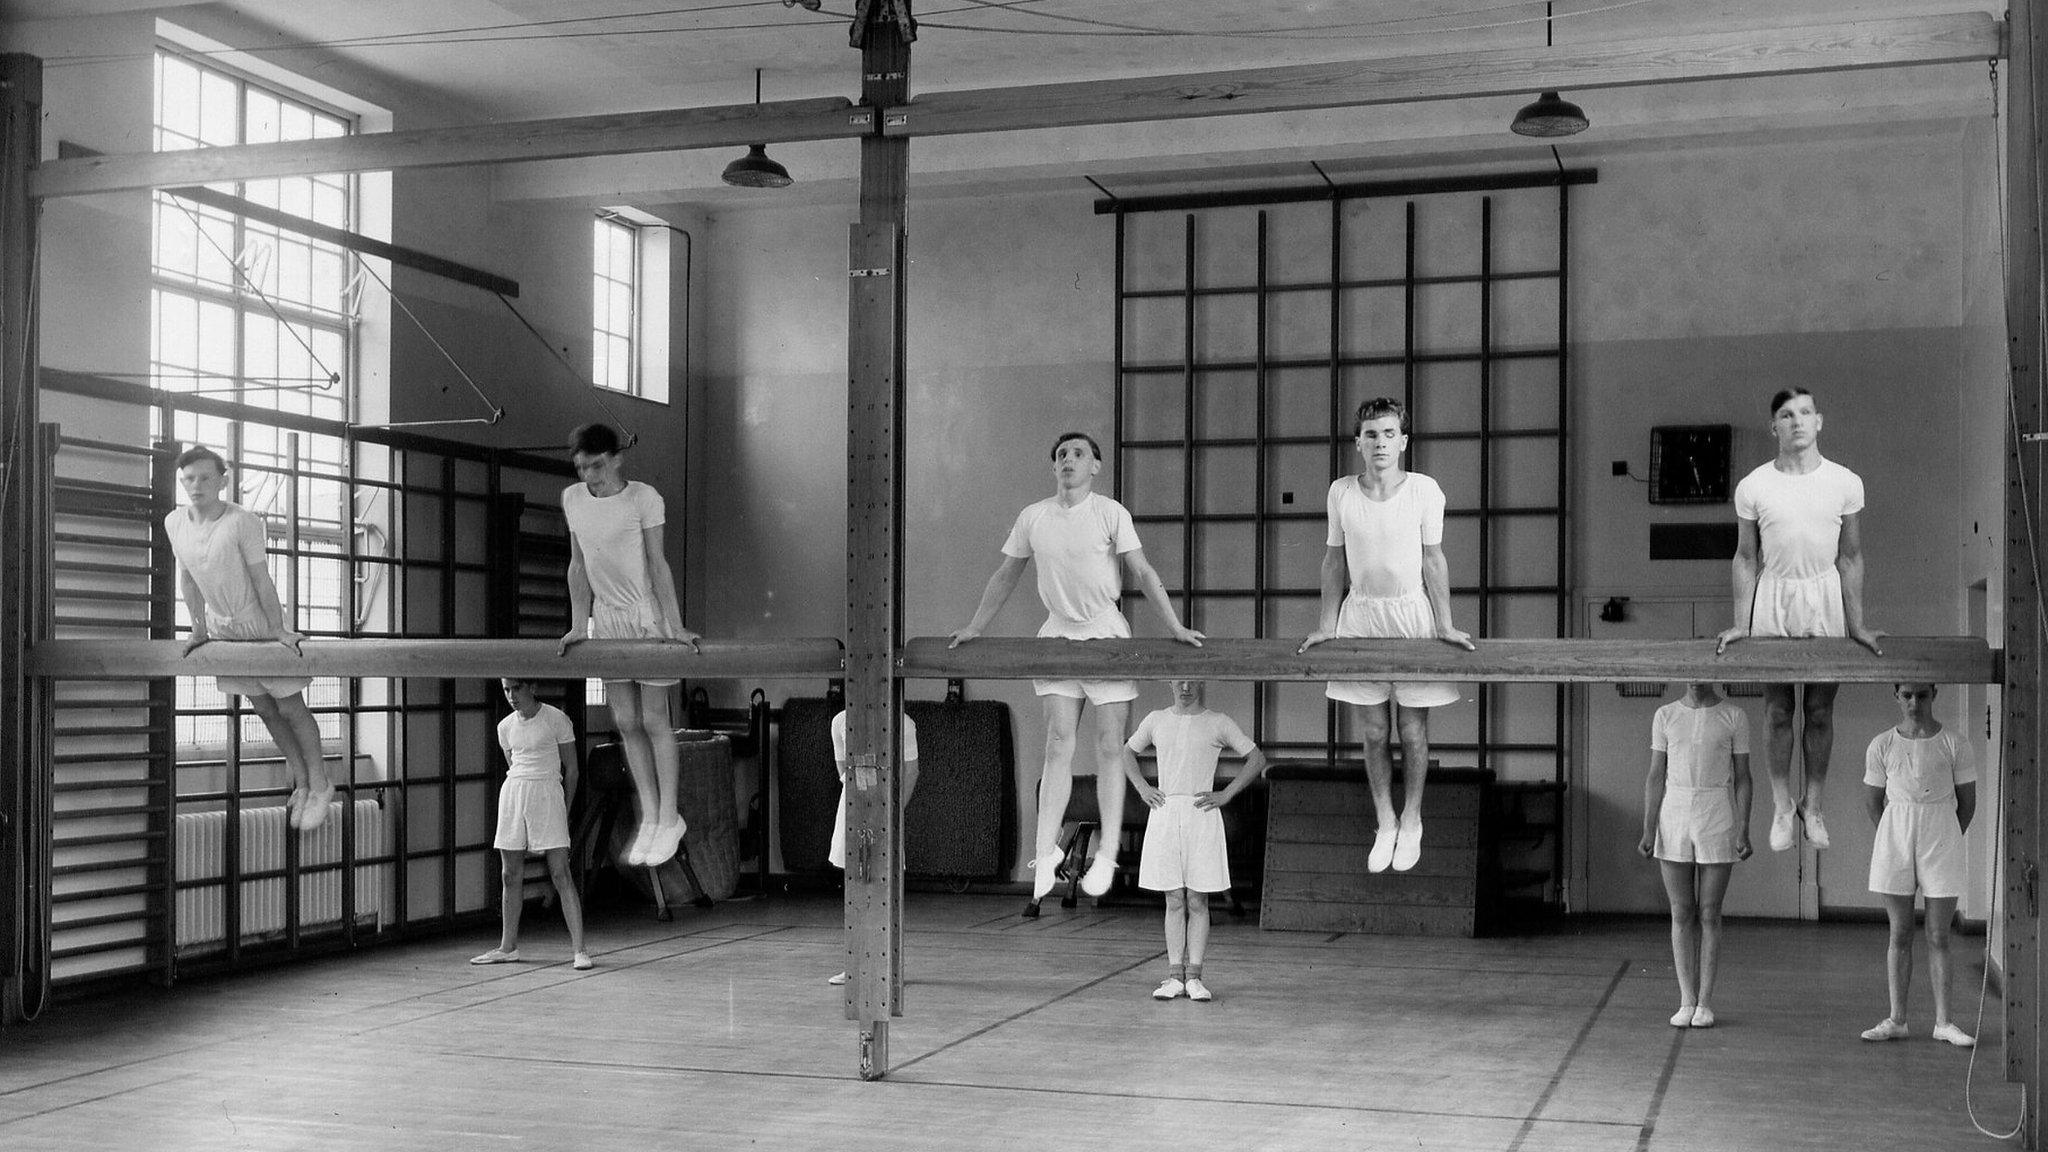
874, 558
2026, 527
21, 105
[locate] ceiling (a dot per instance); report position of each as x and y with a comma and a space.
471, 61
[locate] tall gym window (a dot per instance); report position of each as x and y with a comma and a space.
251, 314
629, 304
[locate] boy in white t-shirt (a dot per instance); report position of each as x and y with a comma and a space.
1185, 856
1798, 571
620, 588
533, 816
1385, 545
1083, 542
1920, 788
1696, 826
836, 854
224, 577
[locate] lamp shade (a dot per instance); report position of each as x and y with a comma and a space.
756, 170
1550, 115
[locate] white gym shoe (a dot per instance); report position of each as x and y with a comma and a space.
1887, 1029
1045, 872
1950, 1034
1168, 989
1816, 829
1781, 829
835, 981
1198, 990
1382, 849
1101, 873
1408, 845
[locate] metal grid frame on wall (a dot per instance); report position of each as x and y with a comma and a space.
1212, 415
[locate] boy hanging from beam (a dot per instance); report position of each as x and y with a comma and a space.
1078, 536
1386, 539
620, 588
224, 576
1798, 571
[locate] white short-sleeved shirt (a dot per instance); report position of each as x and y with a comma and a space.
1079, 578
905, 723
1700, 744
217, 554
1919, 771
1189, 745
1799, 516
1383, 539
533, 746
608, 529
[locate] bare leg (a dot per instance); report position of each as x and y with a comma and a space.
623, 697
1176, 928
1679, 887
565, 887
1713, 887
1110, 786
1198, 926
297, 734
1779, 706
1816, 741
1371, 720
1056, 783
1941, 915
661, 740
1414, 727
1898, 957
512, 894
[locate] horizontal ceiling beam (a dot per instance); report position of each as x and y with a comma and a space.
727, 126
440, 659
1934, 660
1907, 41
1867, 44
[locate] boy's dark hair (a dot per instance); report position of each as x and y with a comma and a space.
1785, 394
595, 440
198, 452
516, 682
1066, 436
1377, 407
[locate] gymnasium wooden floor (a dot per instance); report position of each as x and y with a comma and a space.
718, 1031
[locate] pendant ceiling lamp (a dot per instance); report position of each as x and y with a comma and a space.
1551, 114
755, 169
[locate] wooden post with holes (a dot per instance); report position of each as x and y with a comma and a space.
23, 832
874, 533
2026, 517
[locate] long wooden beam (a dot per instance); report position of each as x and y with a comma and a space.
1909, 41
439, 659
619, 134
1904, 42
1938, 660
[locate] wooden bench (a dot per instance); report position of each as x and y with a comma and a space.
1319, 830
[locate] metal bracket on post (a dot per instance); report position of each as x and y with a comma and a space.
867, 12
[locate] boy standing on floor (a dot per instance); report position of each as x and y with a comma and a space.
224, 576
1696, 825
1920, 788
1385, 546
837, 853
1185, 856
1083, 542
533, 815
